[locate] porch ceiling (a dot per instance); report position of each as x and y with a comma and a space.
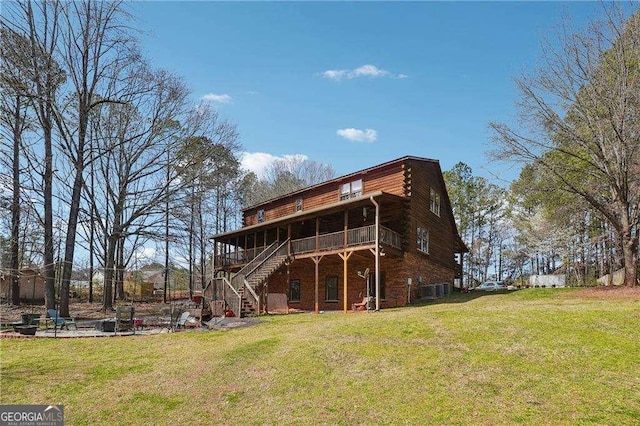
385, 200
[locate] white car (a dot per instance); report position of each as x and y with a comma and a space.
491, 286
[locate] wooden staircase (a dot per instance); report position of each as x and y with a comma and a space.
256, 273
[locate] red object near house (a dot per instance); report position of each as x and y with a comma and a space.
229, 314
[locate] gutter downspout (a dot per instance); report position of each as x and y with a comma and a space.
377, 252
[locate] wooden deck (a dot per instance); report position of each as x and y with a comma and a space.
356, 239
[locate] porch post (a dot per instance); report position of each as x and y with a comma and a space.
377, 252
344, 258
213, 257
461, 271
316, 261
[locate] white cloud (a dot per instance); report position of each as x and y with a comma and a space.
220, 99
146, 254
367, 70
358, 135
335, 74
370, 71
259, 162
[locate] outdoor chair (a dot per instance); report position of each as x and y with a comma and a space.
359, 306
182, 320
125, 318
61, 322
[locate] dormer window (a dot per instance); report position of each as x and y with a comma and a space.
351, 190
260, 216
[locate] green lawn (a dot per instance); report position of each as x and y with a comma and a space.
534, 356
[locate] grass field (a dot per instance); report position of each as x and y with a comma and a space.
537, 356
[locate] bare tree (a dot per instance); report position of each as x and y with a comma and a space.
14, 119
284, 176
95, 45
42, 76
580, 116
213, 173
132, 186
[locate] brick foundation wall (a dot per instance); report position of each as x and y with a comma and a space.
395, 270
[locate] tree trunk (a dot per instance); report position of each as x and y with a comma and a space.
107, 301
630, 266
15, 208
166, 235
120, 270
49, 267
74, 208
630, 254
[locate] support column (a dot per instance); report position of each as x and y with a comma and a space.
316, 261
345, 257
377, 252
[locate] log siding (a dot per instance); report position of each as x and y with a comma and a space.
323, 232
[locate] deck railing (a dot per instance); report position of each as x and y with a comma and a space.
238, 257
333, 241
355, 237
390, 238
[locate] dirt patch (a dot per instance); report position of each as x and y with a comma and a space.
85, 311
611, 292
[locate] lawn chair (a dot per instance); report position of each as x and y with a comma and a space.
360, 306
124, 319
182, 320
61, 322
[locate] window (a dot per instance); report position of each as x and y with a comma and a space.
423, 240
294, 291
331, 289
435, 202
260, 216
299, 205
351, 190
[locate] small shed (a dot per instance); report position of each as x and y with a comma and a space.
31, 285
138, 290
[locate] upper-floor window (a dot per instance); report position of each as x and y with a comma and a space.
299, 205
351, 190
435, 202
260, 216
423, 240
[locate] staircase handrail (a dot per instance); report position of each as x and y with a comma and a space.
238, 278
276, 252
228, 283
258, 259
252, 291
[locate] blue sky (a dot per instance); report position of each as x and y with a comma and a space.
355, 84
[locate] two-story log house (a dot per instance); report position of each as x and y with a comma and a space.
383, 232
